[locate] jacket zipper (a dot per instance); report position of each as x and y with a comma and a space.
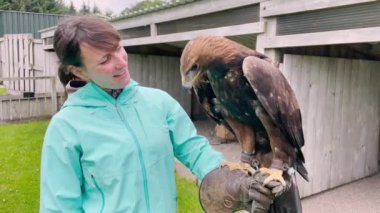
101, 192
141, 159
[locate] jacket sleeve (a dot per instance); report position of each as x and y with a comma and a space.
61, 176
193, 150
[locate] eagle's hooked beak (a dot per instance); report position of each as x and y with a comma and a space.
186, 83
189, 79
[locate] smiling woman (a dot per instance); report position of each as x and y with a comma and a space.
89, 49
108, 69
115, 137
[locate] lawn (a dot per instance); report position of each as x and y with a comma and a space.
20, 148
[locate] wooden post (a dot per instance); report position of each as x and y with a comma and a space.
270, 30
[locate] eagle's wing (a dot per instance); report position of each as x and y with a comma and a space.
277, 98
207, 99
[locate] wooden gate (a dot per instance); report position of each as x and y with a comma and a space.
340, 105
29, 92
17, 62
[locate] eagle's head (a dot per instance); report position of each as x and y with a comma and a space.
199, 53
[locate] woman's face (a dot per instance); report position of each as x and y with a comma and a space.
106, 69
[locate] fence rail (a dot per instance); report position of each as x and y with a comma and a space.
21, 105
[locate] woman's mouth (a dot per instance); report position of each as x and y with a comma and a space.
120, 74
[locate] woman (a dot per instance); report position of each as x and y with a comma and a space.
111, 147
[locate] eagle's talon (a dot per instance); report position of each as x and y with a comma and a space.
255, 164
245, 167
274, 175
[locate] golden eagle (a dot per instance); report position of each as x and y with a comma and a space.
243, 90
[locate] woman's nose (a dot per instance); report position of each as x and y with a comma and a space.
121, 59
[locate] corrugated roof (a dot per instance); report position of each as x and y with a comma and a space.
153, 9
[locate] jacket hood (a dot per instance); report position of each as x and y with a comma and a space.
91, 95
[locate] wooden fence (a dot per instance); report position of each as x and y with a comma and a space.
30, 93
17, 60
28, 105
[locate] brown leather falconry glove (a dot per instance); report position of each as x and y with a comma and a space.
224, 190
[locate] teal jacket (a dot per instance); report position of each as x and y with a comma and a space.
106, 155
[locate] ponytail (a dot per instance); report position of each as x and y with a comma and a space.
64, 77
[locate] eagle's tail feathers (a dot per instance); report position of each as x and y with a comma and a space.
300, 167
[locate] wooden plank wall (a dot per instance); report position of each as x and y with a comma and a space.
39, 67
340, 106
160, 72
48, 60
2, 55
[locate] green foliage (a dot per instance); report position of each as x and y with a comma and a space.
37, 6
48, 6
146, 4
85, 9
20, 153
109, 14
72, 9
95, 9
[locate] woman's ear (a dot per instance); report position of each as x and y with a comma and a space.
78, 72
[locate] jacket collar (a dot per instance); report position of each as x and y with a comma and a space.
91, 95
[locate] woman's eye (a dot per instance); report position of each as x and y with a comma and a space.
105, 60
194, 67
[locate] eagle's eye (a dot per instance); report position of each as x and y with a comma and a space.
195, 67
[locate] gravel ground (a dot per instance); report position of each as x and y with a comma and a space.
362, 196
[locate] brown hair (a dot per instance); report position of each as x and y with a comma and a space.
71, 32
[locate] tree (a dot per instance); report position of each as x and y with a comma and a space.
109, 13
85, 9
146, 4
72, 9
38, 6
95, 9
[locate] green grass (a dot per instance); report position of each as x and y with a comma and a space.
188, 201
3, 90
20, 149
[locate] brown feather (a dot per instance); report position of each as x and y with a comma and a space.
204, 49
